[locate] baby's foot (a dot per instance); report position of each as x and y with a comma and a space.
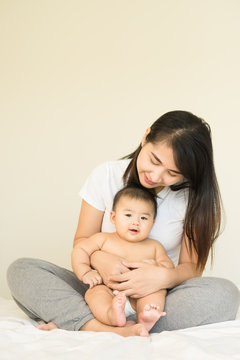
116, 313
47, 327
150, 315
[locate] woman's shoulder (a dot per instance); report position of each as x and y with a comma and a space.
112, 167
102, 183
108, 174
117, 164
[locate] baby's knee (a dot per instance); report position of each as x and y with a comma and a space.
94, 291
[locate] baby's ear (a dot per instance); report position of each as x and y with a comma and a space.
112, 217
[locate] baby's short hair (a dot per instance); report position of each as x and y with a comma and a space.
138, 193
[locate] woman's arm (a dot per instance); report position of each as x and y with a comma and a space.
89, 223
187, 265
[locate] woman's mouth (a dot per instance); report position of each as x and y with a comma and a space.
149, 182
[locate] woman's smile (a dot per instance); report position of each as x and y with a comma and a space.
148, 181
156, 162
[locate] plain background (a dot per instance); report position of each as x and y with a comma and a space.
81, 81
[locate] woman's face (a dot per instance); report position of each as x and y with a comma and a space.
156, 166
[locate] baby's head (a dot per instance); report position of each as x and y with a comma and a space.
136, 193
133, 213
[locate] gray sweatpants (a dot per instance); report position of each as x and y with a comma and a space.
45, 291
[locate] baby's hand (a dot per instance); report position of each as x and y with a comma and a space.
92, 278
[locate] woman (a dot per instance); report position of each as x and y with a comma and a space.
175, 161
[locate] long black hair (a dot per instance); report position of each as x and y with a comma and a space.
190, 139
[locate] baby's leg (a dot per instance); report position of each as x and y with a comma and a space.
106, 307
150, 308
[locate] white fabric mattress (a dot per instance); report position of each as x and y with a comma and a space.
20, 339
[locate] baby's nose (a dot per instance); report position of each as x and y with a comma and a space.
135, 221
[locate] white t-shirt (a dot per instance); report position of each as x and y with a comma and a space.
101, 187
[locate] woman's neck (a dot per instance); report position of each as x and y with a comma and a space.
158, 189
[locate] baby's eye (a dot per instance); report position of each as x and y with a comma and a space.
128, 215
144, 218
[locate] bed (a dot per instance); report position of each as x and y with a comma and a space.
20, 339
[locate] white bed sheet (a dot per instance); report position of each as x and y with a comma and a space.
20, 339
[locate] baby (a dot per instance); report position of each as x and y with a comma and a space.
133, 214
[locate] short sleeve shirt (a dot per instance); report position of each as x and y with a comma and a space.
106, 180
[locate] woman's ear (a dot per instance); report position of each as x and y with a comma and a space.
145, 136
112, 217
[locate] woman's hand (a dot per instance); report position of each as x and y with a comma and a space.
144, 279
107, 264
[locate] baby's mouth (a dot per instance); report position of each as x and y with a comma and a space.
134, 231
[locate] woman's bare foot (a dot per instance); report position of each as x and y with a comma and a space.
150, 315
131, 328
47, 327
51, 325
116, 313
134, 330
128, 330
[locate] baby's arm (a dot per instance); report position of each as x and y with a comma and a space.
81, 259
162, 258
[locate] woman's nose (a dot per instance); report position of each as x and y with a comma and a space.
156, 177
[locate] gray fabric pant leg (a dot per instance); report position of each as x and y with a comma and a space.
199, 301
48, 292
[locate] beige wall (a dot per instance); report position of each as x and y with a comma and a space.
81, 81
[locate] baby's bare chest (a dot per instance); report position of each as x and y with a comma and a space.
131, 251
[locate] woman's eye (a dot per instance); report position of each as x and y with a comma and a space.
171, 174
154, 162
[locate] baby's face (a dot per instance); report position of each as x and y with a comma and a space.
133, 219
